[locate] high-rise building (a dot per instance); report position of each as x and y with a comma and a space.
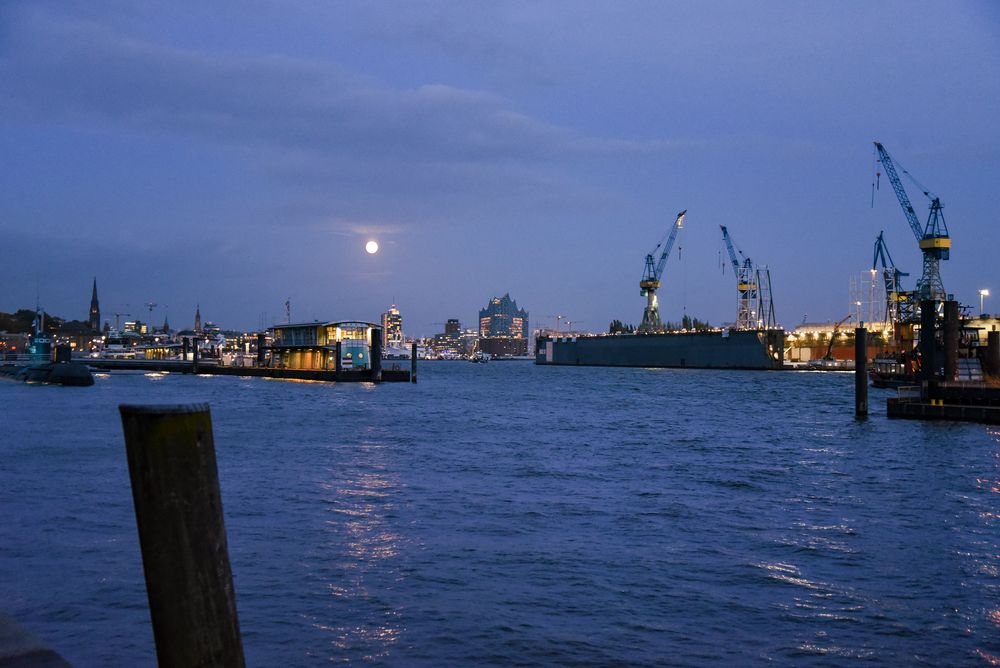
453, 326
94, 321
392, 328
503, 328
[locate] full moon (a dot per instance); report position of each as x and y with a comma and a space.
371, 247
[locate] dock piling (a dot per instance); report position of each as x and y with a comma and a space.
413, 362
950, 340
178, 511
261, 347
375, 348
928, 321
194, 357
861, 372
993, 353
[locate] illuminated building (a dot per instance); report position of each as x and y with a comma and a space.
392, 328
313, 345
503, 328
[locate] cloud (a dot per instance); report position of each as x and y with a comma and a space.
81, 72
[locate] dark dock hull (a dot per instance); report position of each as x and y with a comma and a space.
693, 350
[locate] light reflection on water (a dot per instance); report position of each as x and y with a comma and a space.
362, 541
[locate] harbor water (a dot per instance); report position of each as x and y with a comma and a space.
509, 514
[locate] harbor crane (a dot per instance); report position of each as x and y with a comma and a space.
650, 282
833, 337
899, 304
754, 308
933, 239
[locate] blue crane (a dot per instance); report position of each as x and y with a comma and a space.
898, 303
933, 239
746, 285
650, 282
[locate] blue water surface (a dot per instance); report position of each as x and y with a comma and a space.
508, 514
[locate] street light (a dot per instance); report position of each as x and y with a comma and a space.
982, 293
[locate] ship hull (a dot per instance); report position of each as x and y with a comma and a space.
695, 350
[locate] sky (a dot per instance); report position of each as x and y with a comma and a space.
235, 155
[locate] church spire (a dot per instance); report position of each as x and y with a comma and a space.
94, 319
197, 319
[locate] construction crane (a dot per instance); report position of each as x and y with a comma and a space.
935, 244
650, 282
754, 307
899, 304
746, 284
833, 337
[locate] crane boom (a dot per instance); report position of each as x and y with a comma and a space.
897, 185
729, 247
933, 239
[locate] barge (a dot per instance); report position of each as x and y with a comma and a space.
725, 349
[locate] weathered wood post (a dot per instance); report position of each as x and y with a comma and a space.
928, 321
375, 350
178, 510
338, 364
950, 340
413, 362
993, 353
261, 347
861, 371
185, 344
194, 357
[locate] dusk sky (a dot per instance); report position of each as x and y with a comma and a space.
238, 154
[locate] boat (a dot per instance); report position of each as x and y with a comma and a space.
480, 357
37, 366
714, 349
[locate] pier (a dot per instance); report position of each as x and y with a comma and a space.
212, 368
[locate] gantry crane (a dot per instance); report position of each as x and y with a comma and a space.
754, 308
899, 304
650, 282
935, 244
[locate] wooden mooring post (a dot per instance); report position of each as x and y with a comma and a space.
413, 362
178, 510
861, 371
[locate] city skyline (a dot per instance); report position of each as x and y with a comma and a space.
540, 150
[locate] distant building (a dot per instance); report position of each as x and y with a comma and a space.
94, 321
197, 318
453, 326
503, 328
392, 328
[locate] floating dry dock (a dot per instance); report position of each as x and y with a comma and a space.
726, 349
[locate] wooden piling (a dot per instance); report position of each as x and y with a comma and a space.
950, 340
178, 510
375, 350
185, 345
194, 356
413, 362
261, 348
993, 353
338, 363
861, 372
928, 322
